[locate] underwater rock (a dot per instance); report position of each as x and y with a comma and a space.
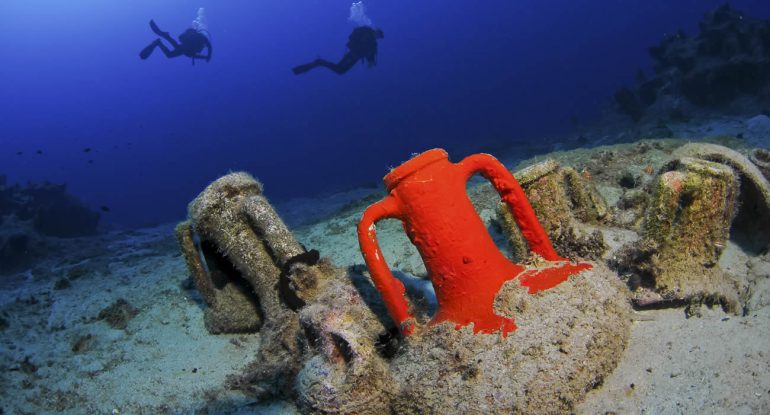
118, 314
728, 59
14, 251
731, 57
629, 104
52, 210
758, 131
562, 199
20, 246
66, 220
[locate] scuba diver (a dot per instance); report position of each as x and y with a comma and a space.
190, 44
362, 46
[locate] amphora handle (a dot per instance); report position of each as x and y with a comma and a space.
514, 197
391, 289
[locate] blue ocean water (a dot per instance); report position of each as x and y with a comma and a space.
144, 137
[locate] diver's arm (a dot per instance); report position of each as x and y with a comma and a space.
208, 47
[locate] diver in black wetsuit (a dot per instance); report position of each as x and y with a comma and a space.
191, 44
362, 46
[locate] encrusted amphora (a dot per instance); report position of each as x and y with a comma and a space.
428, 194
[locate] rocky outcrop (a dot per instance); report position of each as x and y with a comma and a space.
52, 210
728, 60
30, 214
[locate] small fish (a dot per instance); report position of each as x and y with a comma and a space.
87, 150
105, 208
39, 152
90, 162
18, 153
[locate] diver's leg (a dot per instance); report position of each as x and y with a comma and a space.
168, 52
300, 69
344, 65
164, 35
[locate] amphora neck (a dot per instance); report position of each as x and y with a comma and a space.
412, 166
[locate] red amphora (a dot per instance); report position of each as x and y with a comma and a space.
428, 194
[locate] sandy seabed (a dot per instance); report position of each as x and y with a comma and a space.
116, 327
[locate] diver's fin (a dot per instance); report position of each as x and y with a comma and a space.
157, 30
301, 68
147, 51
298, 70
